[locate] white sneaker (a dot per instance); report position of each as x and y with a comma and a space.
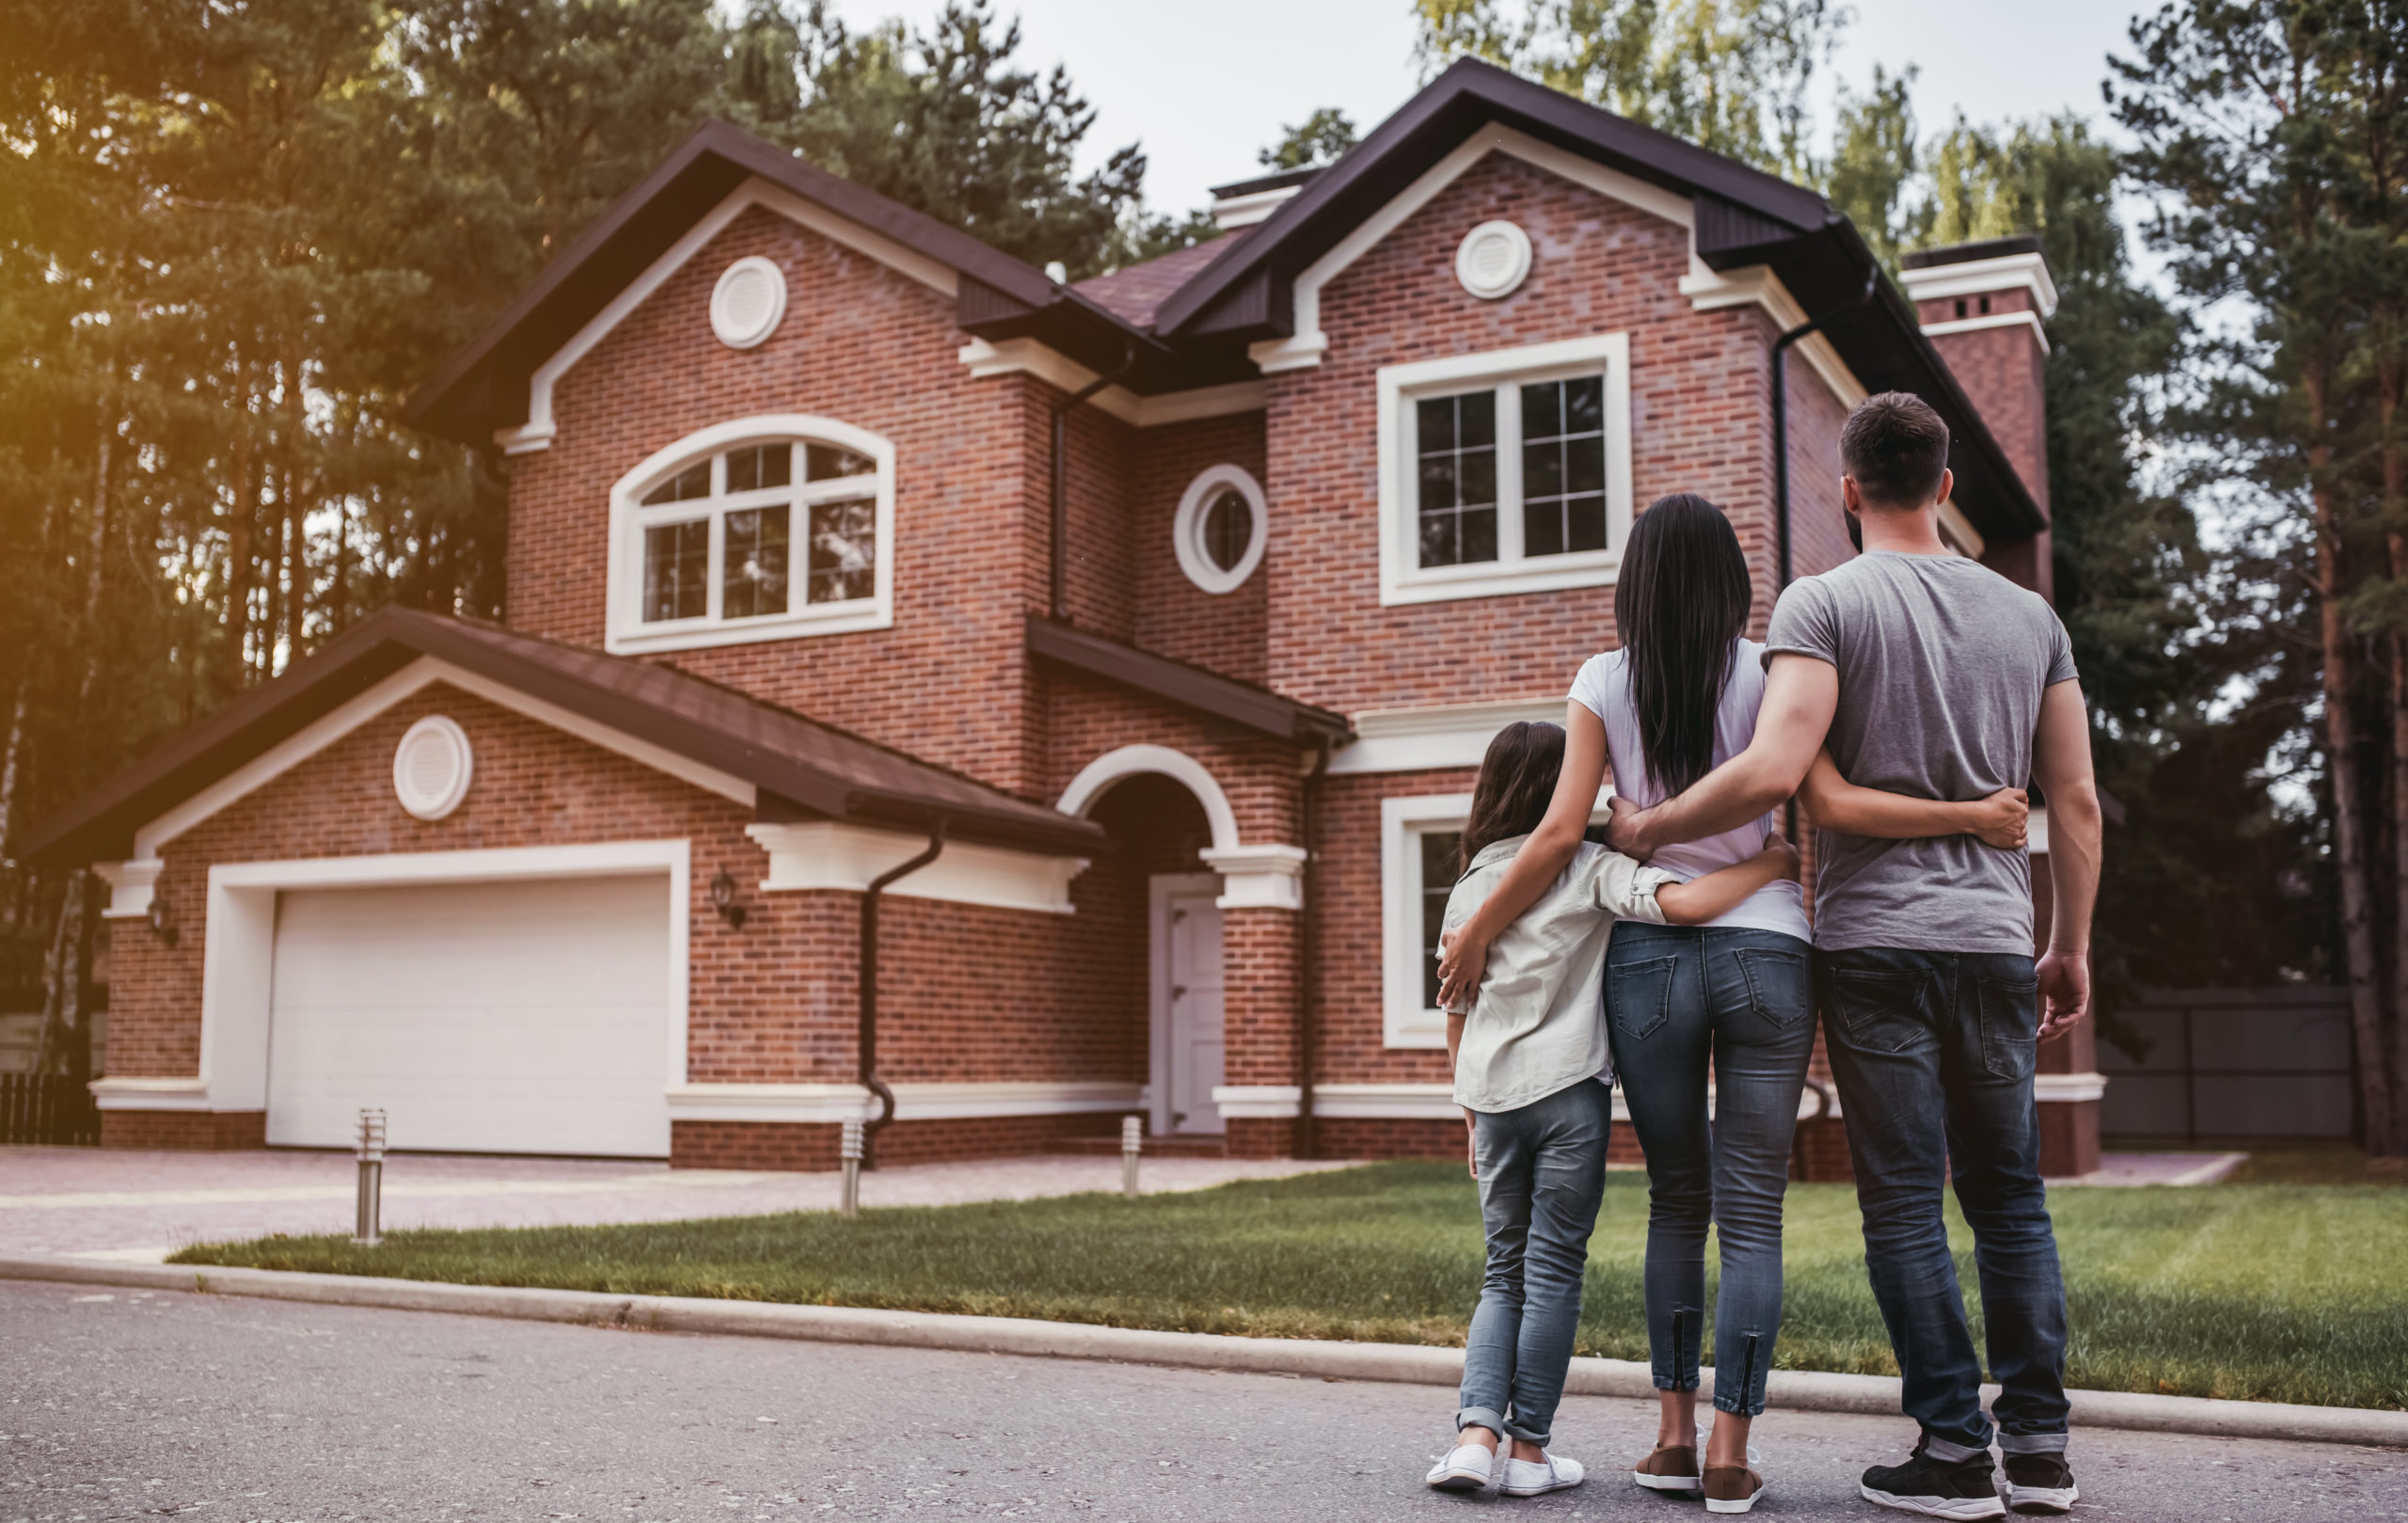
1467, 1467
1535, 1478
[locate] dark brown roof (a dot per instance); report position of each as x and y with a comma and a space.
802, 769
1132, 293
1925, 259
1190, 687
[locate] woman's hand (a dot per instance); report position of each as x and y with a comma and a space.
1777, 847
1472, 1141
1461, 963
2002, 820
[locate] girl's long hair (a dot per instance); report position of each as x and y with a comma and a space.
1681, 601
1516, 782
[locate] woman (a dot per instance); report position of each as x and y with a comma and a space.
1677, 700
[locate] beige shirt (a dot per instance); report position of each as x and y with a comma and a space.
1538, 1021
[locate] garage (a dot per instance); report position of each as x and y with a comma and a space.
528, 1016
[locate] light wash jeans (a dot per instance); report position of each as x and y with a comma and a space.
1542, 1176
1934, 1054
1680, 998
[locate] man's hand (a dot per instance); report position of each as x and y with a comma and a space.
1784, 854
1461, 963
1626, 830
2065, 988
1472, 1141
2003, 818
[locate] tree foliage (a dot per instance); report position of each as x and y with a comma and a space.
1319, 139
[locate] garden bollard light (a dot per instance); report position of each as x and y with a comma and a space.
1132, 1142
850, 1152
372, 1176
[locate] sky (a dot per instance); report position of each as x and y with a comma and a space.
1204, 84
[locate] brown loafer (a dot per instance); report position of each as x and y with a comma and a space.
1731, 1488
1672, 1468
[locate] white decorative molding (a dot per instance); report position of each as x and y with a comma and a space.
1309, 343
823, 855
1429, 739
116, 1094
1258, 1102
1386, 1101
625, 633
749, 302
1129, 761
1984, 276
1233, 212
1493, 260
1709, 289
1995, 320
828, 1103
237, 966
2067, 1089
1258, 876
295, 749
1402, 581
1187, 528
540, 429
1028, 357
433, 766
130, 885
1404, 1021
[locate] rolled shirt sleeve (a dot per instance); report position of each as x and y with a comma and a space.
1624, 888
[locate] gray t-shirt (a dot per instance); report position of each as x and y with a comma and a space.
1941, 664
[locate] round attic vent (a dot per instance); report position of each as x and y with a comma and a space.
748, 302
432, 768
1494, 259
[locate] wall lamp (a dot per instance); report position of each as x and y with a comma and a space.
723, 900
161, 926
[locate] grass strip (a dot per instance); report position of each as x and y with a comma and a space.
2271, 1293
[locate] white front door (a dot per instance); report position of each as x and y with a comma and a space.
1187, 1004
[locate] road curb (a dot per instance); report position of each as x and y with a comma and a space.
1405, 1363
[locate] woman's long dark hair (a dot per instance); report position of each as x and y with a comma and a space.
1516, 782
1682, 598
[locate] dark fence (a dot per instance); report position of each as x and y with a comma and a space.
47, 1108
2272, 1063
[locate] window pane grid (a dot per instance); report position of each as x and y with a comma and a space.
1563, 466
1437, 864
735, 562
676, 570
755, 555
1457, 478
844, 551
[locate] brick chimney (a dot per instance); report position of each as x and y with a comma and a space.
1982, 304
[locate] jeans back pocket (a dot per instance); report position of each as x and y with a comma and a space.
1780, 988
2010, 1016
1638, 994
1881, 1011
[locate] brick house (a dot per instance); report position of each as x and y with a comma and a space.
1171, 611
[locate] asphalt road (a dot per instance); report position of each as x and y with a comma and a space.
120, 1403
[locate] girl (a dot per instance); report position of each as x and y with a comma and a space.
1532, 1075
1732, 991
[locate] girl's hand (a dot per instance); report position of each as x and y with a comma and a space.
1461, 963
2002, 820
1777, 846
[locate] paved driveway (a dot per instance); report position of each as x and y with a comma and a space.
114, 1404
145, 1205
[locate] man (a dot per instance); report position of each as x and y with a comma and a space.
1929, 674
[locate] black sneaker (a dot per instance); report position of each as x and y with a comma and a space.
1935, 1489
2040, 1484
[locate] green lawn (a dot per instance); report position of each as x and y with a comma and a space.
2284, 1293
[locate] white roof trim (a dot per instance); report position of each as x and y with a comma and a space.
2008, 272
1028, 356
1255, 206
1995, 320
297, 748
1712, 290
541, 428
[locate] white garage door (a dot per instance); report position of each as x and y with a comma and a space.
519, 1017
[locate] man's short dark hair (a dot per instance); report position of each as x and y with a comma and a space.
1897, 447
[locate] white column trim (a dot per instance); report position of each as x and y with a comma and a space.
1995, 320
1433, 739
1258, 1102
819, 855
132, 884
2067, 1089
1258, 876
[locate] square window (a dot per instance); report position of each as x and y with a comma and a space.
756, 559
1457, 478
1563, 466
758, 466
844, 551
676, 570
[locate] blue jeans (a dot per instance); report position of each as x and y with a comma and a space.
1679, 997
1542, 1176
1934, 1054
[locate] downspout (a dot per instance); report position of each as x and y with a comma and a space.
1781, 453
867, 1076
1307, 1031
1058, 568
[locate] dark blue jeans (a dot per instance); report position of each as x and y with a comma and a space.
1679, 998
1542, 1176
1933, 1052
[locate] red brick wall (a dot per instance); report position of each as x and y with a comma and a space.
2002, 371
1817, 516
1225, 632
185, 1131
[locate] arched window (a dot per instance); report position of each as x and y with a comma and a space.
763, 529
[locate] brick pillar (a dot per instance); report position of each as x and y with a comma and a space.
1258, 1022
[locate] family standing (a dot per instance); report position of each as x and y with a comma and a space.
1907, 698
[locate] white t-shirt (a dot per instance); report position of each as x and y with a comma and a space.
1603, 687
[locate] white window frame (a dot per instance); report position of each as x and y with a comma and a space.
1187, 529
1401, 581
626, 631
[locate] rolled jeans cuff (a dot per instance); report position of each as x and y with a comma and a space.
1948, 1453
1495, 1422
2032, 1443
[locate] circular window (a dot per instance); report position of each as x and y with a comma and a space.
431, 766
1493, 260
748, 302
1221, 529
